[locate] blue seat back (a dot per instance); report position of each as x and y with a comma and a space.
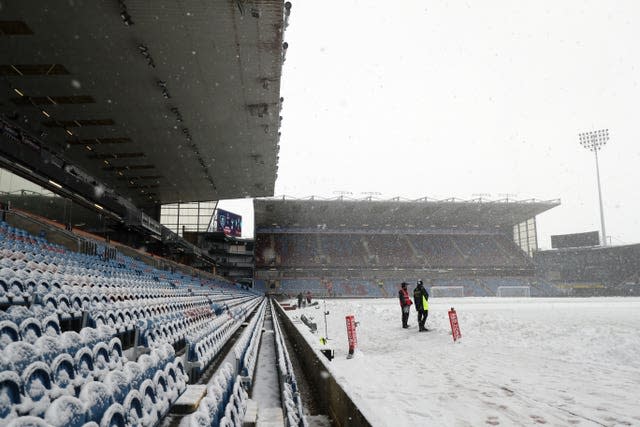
9, 394
66, 411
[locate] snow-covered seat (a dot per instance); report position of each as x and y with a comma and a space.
151, 406
135, 373
64, 307
118, 383
18, 313
66, 411
9, 395
115, 351
36, 387
28, 421
96, 398
48, 347
21, 354
114, 417
51, 326
101, 359
133, 409
163, 391
70, 342
63, 374
30, 330
83, 360
9, 333
50, 301
200, 418
176, 378
149, 364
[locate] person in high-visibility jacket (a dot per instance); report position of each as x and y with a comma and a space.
421, 300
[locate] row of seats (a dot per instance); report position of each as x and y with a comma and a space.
226, 401
291, 401
246, 348
140, 393
388, 250
205, 345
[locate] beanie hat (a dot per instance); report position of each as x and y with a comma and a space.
419, 282
403, 284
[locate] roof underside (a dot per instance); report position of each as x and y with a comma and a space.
161, 101
446, 214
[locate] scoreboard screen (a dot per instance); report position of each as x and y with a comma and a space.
229, 223
576, 240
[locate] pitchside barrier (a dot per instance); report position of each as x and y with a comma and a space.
447, 291
513, 291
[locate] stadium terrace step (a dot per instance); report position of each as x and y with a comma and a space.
189, 401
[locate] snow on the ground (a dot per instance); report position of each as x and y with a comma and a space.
525, 361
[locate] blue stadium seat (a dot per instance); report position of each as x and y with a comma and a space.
114, 417
70, 342
36, 385
176, 378
9, 395
84, 364
115, 352
135, 373
201, 418
51, 326
21, 354
133, 409
9, 333
18, 314
66, 411
48, 347
28, 421
118, 383
63, 374
150, 402
96, 398
101, 359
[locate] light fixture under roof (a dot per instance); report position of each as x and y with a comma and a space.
55, 184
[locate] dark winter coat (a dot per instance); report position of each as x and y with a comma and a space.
421, 298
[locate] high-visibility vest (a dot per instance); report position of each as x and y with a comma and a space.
425, 303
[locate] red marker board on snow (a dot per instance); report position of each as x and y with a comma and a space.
351, 334
455, 327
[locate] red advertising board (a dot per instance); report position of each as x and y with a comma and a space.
351, 334
455, 327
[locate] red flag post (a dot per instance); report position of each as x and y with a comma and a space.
455, 327
351, 334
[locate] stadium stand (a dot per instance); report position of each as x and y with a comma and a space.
105, 349
366, 248
591, 271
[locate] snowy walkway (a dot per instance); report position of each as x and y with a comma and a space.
523, 361
266, 391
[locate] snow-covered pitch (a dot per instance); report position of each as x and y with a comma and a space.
521, 361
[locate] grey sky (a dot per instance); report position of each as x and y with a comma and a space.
451, 99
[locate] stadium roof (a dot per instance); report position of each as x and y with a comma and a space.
159, 101
397, 213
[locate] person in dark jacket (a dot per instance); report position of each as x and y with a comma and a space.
300, 299
421, 299
405, 304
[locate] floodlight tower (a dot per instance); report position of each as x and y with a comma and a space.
594, 141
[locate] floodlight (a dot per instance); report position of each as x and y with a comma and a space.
594, 141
